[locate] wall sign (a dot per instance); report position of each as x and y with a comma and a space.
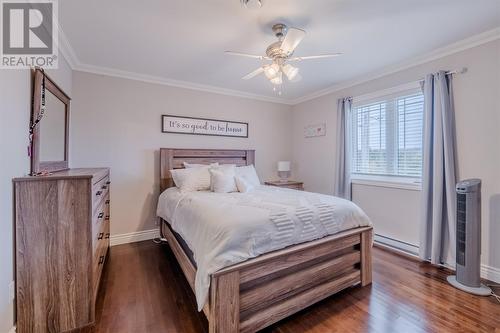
203, 126
315, 130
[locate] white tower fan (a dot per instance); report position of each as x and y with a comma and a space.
468, 231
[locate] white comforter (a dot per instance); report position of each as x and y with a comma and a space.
224, 229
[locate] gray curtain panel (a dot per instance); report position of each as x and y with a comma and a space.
437, 238
343, 156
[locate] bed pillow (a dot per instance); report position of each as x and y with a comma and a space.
222, 181
224, 168
202, 182
249, 174
243, 185
192, 179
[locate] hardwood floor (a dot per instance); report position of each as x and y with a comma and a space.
143, 290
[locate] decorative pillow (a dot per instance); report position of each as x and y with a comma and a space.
222, 182
243, 185
224, 168
192, 179
249, 174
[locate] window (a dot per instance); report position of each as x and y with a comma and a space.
387, 135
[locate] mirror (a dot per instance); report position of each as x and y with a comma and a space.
52, 129
49, 149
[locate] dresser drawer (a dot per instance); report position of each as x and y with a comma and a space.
100, 223
100, 257
100, 189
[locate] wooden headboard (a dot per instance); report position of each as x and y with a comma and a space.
174, 159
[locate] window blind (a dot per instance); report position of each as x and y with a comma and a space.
387, 136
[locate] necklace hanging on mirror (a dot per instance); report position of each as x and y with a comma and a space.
38, 118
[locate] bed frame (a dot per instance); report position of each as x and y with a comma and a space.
256, 293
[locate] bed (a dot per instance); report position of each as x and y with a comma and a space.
252, 294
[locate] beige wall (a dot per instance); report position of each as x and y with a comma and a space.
15, 97
477, 104
117, 123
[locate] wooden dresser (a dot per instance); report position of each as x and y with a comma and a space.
62, 239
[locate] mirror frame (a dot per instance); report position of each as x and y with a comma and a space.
38, 166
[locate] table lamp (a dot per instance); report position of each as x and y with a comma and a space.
284, 170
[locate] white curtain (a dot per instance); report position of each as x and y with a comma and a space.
437, 237
342, 186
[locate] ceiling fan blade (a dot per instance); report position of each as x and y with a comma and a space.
253, 74
293, 37
330, 55
241, 54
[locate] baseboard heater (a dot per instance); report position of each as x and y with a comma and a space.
396, 244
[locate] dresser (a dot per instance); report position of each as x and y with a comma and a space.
287, 184
62, 240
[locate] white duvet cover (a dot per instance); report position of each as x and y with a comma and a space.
226, 228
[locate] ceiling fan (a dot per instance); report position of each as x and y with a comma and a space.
280, 54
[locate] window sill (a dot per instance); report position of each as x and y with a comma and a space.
388, 182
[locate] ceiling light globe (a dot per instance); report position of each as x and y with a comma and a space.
277, 80
271, 71
252, 3
290, 71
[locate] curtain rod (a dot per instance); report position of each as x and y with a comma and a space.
463, 70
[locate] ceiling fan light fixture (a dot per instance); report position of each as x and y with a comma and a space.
290, 71
271, 71
251, 3
278, 79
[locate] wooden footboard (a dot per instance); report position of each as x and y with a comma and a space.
254, 294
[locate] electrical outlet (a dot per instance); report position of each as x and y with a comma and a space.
12, 290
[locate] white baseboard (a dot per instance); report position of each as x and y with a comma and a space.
133, 237
12, 330
487, 272
490, 273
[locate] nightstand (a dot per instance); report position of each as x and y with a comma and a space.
287, 184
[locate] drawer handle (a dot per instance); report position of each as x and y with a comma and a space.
107, 218
98, 193
101, 234
101, 260
107, 236
107, 202
108, 182
100, 215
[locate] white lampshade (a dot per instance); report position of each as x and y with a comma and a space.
284, 166
290, 71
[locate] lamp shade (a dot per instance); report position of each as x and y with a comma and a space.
284, 166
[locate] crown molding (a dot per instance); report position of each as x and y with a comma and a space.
76, 65
176, 83
450, 49
66, 49
70, 55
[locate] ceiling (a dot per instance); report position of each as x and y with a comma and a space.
185, 40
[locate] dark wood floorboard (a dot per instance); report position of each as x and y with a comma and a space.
143, 290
